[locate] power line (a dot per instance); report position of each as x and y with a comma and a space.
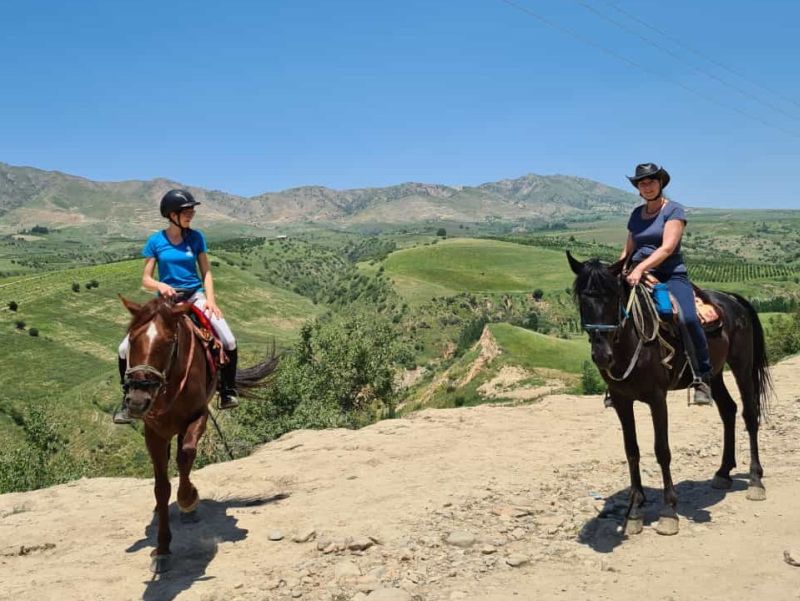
697, 52
680, 58
620, 57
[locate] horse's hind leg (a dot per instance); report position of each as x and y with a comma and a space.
188, 497
634, 518
727, 412
755, 489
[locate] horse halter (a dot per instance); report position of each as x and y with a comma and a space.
159, 377
593, 328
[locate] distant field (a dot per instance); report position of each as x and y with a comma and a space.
475, 265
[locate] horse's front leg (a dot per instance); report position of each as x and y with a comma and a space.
159, 455
188, 497
668, 520
634, 518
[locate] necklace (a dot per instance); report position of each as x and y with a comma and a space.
660, 206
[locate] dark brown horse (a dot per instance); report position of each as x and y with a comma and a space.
631, 374
171, 384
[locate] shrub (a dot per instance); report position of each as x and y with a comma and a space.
441, 232
33, 332
20, 325
13, 306
76, 287
591, 381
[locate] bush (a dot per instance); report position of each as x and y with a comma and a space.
76, 287
13, 306
43, 460
538, 294
441, 232
33, 332
591, 381
20, 325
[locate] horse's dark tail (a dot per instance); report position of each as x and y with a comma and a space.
256, 375
762, 381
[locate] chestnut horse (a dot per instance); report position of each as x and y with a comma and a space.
634, 370
171, 384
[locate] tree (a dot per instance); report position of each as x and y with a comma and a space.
538, 294
33, 332
441, 232
591, 381
13, 306
76, 287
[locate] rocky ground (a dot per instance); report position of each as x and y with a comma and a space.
485, 503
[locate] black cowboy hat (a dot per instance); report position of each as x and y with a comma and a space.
650, 170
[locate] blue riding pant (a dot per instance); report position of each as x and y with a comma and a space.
681, 288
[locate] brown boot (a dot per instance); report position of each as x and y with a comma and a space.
702, 391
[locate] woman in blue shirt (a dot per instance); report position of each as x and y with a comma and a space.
178, 252
655, 230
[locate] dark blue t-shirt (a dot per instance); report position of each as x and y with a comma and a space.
177, 263
648, 235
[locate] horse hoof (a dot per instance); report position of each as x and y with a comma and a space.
159, 564
721, 483
633, 526
190, 517
667, 525
191, 506
756, 493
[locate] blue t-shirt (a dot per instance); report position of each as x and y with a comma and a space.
648, 235
177, 263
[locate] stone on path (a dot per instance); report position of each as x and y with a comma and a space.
275, 535
461, 539
517, 559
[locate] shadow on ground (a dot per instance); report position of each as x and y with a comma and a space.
194, 544
603, 532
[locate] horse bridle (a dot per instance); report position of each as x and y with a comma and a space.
592, 328
159, 377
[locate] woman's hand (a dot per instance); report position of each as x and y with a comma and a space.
635, 276
212, 310
166, 290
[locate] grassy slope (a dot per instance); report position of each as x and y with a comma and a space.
531, 349
72, 363
474, 265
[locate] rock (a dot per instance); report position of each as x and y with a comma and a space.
271, 585
461, 539
518, 533
346, 570
511, 511
389, 594
360, 543
488, 549
305, 535
297, 593
792, 558
332, 547
406, 554
359, 597
275, 535
517, 559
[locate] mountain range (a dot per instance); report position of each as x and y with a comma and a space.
30, 197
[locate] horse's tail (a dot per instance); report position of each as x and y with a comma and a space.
762, 381
256, 375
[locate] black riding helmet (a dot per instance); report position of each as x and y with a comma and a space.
175, 201
652, 171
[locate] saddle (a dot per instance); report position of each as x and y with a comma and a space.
203, 330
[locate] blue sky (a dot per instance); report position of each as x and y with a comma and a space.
250, 97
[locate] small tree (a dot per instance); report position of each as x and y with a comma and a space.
13, 306
591, 381
441, 232
20, 325
76, 287
538, 294
33, 332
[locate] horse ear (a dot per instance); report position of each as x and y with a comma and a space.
616, 268
574, 264
131, 306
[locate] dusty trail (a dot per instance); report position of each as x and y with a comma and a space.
449, 498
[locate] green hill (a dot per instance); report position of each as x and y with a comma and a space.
476, 265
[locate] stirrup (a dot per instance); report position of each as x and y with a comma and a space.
121, 416
228, 400
702, 393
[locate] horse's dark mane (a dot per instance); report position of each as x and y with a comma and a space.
595, 277
157, 306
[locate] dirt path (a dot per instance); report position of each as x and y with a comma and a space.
449, 498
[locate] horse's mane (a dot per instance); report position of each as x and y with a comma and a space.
595, 277
157, 306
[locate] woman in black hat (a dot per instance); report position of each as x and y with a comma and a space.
655, 230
